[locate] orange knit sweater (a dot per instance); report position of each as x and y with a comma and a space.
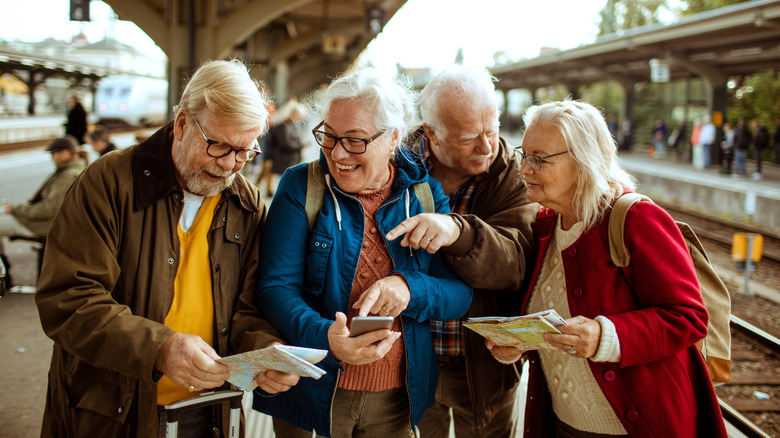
374, 264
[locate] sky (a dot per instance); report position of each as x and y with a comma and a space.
423, 33
428, 33
36, 20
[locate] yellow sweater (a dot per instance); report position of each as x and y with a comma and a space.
192, 310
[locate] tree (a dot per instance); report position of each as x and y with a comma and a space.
622, 15
696, 6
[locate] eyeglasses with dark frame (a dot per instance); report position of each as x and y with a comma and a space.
219, 149
353, 145
534, 161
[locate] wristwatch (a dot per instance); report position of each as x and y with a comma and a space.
457, 221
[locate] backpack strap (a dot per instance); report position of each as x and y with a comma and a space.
315, 187
425, 196
617, 223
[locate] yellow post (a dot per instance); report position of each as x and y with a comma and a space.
739, 247
746, 251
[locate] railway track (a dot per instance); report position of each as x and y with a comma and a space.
721, 231
751, 400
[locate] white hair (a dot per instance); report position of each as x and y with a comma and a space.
592, 149
391, 99
224, 89
477, 82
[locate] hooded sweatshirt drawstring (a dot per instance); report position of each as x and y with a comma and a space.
336, 202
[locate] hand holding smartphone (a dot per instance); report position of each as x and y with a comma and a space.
365, 324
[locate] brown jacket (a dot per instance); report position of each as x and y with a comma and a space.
491, 255
38, 213
107, 285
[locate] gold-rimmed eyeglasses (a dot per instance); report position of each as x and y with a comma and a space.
219, 149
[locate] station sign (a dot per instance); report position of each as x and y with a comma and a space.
659, 70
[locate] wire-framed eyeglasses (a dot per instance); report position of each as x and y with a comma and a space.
353, 145
219, 149
535, 161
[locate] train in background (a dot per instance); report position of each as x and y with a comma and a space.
131, 100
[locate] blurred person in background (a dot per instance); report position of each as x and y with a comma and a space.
727, 146
760, 142
776, 140
380, 383
284, 142
707, 137
742, 139
658, 140
100, 140
76, 124
265, 161
626, 361
487, 240
38, 213
679, 141
626, 134
149, 270
696, 153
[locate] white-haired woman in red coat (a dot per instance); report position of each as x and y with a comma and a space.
626, 363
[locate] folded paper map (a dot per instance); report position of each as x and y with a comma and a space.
289, 359
524, 332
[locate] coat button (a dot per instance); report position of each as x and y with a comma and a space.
236, 236
316, 243
147, 173
224, 331
216, 268
120, 410
171, 260
609, 375
224, 219
577, 292
572, 252
632, 415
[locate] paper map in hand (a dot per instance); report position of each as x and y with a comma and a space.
289, 359
524, 332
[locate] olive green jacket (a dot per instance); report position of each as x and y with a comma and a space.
37, 214
107, 284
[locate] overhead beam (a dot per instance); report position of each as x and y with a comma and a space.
248, 19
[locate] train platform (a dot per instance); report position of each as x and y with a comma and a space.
29, 128
739, 199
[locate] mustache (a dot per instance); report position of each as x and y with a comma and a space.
480, 157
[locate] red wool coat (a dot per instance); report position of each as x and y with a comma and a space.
660, 386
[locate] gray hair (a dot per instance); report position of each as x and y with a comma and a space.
225, 89
592, 149
472, 80
392, 99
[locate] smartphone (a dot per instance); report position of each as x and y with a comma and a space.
365, 324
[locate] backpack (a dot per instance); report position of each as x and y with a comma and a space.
315, 187
716, 346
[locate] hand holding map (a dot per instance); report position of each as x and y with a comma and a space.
524, 332
286, 358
